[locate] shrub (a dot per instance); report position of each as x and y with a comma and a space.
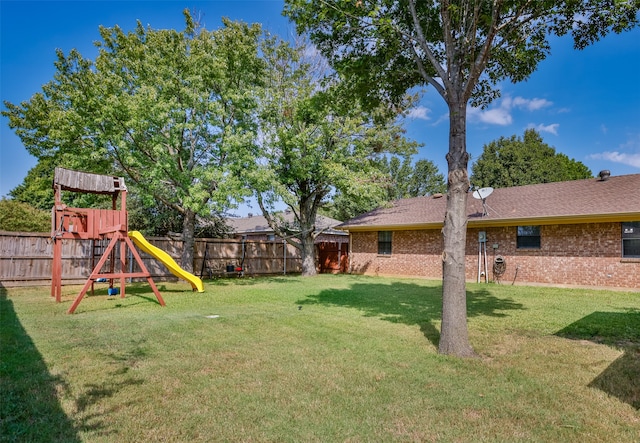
22, 217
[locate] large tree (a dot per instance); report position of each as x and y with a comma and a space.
463, 49
403, 178
36, 188
151, 218
172, 111
516, 161
412, 179
316, 141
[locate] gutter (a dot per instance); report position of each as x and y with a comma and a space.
486, 222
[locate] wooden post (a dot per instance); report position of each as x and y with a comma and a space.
95, 225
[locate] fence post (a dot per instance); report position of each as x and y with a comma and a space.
284, 261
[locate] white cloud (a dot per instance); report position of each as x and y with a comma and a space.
628, 153
497, 116
633, 143
538, 103
551, 129
618, 157
420, 113
501, 114
443, 118
531, 104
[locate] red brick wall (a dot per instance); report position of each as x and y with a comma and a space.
572, 254
412, 253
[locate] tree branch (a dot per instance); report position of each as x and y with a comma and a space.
422, 42
273, 225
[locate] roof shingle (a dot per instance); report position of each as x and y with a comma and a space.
617, 198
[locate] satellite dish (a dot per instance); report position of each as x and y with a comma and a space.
482, 193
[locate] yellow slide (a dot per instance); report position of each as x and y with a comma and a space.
166, 260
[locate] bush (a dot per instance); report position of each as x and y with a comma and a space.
22, 217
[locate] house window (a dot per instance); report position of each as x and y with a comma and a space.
631, 239
384, 242
528, 237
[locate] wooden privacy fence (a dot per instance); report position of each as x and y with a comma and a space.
26, 258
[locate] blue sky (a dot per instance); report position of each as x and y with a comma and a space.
586, 103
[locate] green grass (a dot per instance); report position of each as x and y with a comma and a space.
331, 358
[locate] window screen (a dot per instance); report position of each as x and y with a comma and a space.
384, 242
631, 239
528, 237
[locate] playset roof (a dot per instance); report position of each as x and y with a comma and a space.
77, 181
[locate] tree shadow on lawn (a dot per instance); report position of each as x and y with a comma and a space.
621, 330
102, 423
138, 288
410, 304
248, 280
142, 292
29, 407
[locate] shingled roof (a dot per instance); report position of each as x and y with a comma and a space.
579, 201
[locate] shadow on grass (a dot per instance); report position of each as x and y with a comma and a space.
410, 304
621, 330
138, 288
249, 280
96, 394
29, 407
140, 291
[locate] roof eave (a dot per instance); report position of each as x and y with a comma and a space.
489, 222
395, 227
557, 219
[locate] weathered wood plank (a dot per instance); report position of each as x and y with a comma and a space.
78, 181
26, 258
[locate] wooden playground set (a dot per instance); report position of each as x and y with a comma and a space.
109, 233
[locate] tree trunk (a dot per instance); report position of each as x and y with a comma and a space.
454, 336
188, 233
308, 214
308, 252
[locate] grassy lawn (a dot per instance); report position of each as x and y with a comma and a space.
331, 358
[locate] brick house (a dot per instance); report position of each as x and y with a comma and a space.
332, 246
574, 233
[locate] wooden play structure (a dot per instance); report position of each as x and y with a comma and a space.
107, 228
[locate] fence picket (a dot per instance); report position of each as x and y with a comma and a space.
26, 258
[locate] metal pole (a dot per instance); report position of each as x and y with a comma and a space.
284, 264
486, 267
479, 258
